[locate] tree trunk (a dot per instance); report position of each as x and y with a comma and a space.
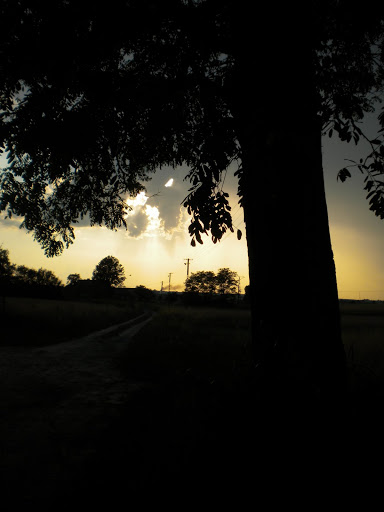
295, 310
294, 299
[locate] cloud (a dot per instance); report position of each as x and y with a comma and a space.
158, 213
137, 223
13, 223
143, 219
173, 287
168, 199
177, 287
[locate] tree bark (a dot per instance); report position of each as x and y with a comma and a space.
294, 299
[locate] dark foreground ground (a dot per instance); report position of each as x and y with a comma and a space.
182, 448
186, 441
78, 433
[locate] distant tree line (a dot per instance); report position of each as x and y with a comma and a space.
11, 273
108, 274
206, 287
226, 281
108, 271
20, 279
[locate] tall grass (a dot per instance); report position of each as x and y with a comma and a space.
363, 337
214, 344
210, 344
198, 396
37, 322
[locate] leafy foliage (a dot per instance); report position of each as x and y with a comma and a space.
203, 281
73, 279
21, 274
6, 267
227, 281
92, 102
206, 281
373, 168
30, 276
110, 271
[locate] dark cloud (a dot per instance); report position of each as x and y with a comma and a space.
137, 222
175, 287
169, 199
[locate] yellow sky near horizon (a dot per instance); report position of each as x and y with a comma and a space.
147, 261
158, 242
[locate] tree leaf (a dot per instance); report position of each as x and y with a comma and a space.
370, 194
369, 185
343, 175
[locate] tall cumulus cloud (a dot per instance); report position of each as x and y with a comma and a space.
159, 212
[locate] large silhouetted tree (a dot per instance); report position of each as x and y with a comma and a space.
202, 281
227, 281
206, 281
93, 101
110, 271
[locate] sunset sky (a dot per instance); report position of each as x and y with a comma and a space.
157, 242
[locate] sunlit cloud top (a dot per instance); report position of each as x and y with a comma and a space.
163, 217
137, 201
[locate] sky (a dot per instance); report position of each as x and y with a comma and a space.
155, 249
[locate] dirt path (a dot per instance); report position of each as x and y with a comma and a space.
54, 404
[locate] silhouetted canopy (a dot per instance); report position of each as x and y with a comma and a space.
94, 100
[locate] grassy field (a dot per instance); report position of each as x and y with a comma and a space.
38, 322
199, 422
209, 349
363, 336
215, 343
193, 425
212, 343
207, 352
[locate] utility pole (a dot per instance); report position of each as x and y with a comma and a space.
169, 285
187, 260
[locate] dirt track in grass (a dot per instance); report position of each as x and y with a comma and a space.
56, 401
